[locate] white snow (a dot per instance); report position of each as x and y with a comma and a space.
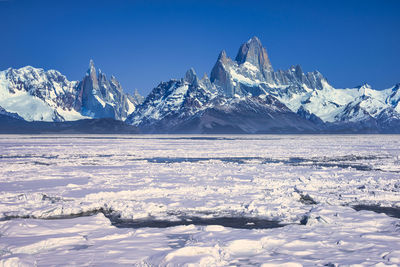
131, 107
250, 67
166, 105
71, 115
170, 177
102, 103
30, 107
239, 77
27, 106
328, 103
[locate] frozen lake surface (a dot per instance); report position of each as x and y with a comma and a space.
269, 200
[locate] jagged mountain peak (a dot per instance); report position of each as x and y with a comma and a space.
253, 52
296, 68
46, 95
365, 89
255, 40
243, 93
252, 73
222, 55
91, 64
99, 97
364, 86
28, 68
138, 97
190, 76
92, 68
223, 58
206, 81
92, 74
113, 79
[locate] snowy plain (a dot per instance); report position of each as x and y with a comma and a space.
270, 200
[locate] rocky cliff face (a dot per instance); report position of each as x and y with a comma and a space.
252, 73
254, 53
38, 95
101, 98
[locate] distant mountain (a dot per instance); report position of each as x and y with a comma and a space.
245, 95
37, 95
193, 105
174, 102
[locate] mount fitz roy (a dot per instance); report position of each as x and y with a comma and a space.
244, 95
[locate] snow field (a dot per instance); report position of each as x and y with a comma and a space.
308, 184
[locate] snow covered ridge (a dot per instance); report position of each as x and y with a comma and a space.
287, 101
244, 95
37, 95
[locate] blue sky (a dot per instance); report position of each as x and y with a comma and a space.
145, 42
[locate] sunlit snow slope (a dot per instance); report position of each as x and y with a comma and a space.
38, 95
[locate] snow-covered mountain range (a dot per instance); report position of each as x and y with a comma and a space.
244, 95
247, 95
37, 95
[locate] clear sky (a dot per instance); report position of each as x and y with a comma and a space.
145, 42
